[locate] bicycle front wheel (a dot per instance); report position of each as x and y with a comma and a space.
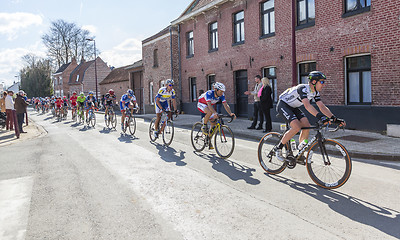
132, 125
267, 156
152, 129
328, 164
108, 120
168, 133
197, 137
224, 141
113, 120
93, 119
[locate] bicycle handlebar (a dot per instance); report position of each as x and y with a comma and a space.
226, 116
320, 125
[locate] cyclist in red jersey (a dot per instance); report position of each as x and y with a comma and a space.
72, 100
59, 104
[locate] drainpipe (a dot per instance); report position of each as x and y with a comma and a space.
294, 72
172, 59
180, 66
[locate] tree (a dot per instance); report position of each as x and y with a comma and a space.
65, 41
36, 76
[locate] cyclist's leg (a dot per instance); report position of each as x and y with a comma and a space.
157, 123
305, 132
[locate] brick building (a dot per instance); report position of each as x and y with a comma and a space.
355, 43
160, 62
83, 77
123, 78
61, 78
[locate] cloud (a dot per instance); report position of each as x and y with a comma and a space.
92, 29
11, 61
12, 23
127, 52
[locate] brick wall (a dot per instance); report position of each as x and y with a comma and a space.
89, 79
119, 88
376, 32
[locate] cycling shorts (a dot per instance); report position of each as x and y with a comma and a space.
73, 104
289, 113
164, 105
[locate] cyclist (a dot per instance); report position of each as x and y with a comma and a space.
205, 106
81, 101
288, 106
58, 103
90, 101
109, 100
72, 100
128, 100
161, 100
65, 105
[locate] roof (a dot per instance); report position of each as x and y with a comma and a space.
62, 68
79, 70
197, 7
116, 75
135, 65
162, 32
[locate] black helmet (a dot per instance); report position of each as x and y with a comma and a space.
316, 75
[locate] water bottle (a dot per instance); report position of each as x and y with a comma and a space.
293, 144
303, 144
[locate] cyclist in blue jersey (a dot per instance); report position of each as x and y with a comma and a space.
206, 102
161, 100
128, 100
90, 100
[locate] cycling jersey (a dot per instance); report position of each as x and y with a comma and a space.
73, 100
81, 99
164, 95
125, 101
206, 97
90, 100
109, 98
59, 102
294, 95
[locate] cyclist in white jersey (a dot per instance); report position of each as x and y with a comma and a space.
161, 100
288, 106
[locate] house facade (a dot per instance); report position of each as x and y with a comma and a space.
160, 56
83, 77
355, 43
61, 78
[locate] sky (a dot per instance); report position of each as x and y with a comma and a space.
119, 26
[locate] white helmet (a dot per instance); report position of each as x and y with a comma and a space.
219, 86
170, 81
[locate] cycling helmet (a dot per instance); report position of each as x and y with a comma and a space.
111, 92
170, 81
316, 75
65, 97
219, 86
82, 94
74, 93
130, 92
91, 93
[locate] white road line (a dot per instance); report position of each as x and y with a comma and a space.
15, 198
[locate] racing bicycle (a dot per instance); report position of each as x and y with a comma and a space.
111, 118
166, 128
224, 140
91, 119
129, 121
328, 162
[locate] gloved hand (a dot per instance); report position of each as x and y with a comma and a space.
177, 112
322, 118
337, 121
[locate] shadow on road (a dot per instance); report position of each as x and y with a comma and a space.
382, 218
75, 124
48, 118
107, 130
231, 169
169, 154
126, 138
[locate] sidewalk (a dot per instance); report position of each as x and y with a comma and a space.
32, 131
360, 144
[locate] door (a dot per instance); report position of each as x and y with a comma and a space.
241, 98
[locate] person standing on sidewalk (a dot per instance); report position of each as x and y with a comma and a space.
11, 120
266, 103
20, 108
257, 108
3, 102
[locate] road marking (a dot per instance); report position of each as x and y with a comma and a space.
15, 198
391, 163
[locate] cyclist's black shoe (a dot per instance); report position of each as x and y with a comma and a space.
210, 147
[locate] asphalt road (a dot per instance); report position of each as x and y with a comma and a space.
91, 183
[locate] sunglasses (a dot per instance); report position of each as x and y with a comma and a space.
171, 85
322, 82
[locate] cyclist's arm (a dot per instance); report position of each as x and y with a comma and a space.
228, 109
210, 107
324, 109
158, 103
309, 107
174, 104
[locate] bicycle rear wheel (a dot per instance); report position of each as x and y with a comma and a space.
108, 120
266, 153
152, 129
197, 137
224, 141
132, 125
168, 133
329, 165
113, 120
93, 119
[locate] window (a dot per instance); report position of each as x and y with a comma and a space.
193, 89
305, 69
267, 18
77, 77
210, 81
151, 91
238, 28
162, 83
190, 45
356, 6
213, 36
270, 73
358, 70
305, 13
155, 58
60, 80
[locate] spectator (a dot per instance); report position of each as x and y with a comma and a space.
266, 103
11, 120
257, 109
20, 108
3, 102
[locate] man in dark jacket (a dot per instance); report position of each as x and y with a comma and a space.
20, 107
